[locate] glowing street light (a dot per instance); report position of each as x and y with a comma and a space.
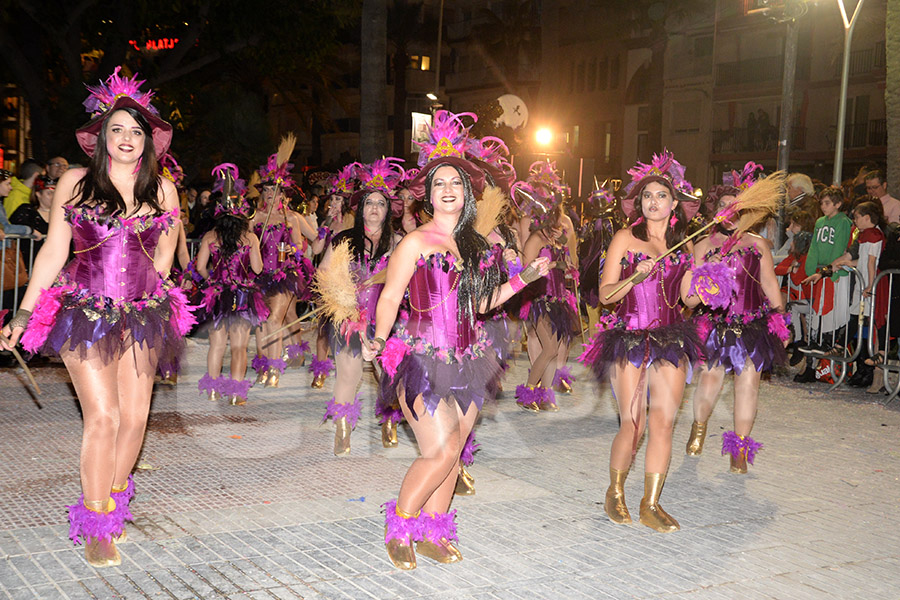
431, 96
543, 136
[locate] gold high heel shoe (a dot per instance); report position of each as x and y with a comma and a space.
615, 506
318, 381
695, 441
564, 387
443, 552
389, 434
652, 514
341, 437
237, 400
169, 378
465, 483
402, 555
272, 378
739, 462
214, 396
97, 551
261, 377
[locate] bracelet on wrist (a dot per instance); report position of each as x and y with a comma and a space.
381, 344
20, 319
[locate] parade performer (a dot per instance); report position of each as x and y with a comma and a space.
549, 304
341, 187
229, 259
597, 233
439, 361
742, 322
369, 246
110, 313
283, 277
647, 342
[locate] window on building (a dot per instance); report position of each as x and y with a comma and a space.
603, 74
592, 75
571, 77
703, 46
603, 141
579, 77
414, 61
615, 70
425, 63
643, 118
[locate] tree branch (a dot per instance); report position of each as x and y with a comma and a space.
203, 61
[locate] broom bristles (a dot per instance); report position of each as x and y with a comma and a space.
252, 190
336, 286
761, 200
286, 148
379, 277
490, 210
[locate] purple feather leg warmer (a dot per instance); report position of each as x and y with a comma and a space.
733, 444
87, 524
437, 526
351, 411
398, 528
467, 456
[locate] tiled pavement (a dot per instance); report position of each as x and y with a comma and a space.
248, 502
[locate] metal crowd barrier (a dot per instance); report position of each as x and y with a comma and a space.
846, 356
12, 247
888, 366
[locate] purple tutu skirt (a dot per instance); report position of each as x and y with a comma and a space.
226, 306
69, 318
280, 281
731, 345
348, 337
561, 313
677, 344
496, 329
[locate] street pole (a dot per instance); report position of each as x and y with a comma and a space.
785, 137
437, 68
845, 77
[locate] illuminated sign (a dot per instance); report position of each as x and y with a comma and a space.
160, 44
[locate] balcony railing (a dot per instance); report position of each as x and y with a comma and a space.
751, 70
741, 139
860, 135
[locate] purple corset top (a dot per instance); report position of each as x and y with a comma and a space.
270, 242
114, 258
234, 270
655, 301
434, 311
554, 284
367, 298
748, 293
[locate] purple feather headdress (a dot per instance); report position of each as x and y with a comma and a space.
544, 172
743, 180
447, 136
408, 175
101, 97
663, 165
171, 170
343, 182
383, 175
233, 188
271, 173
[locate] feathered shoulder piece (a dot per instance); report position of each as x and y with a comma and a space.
101, 97
171, 170
447, 136
663, 165
343, 183
383, 175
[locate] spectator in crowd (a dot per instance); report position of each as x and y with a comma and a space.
56, 166
202, 215
793, 267
6, 186
21, 186
876, 186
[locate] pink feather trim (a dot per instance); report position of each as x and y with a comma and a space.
393, 354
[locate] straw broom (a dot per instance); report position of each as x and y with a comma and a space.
755, 204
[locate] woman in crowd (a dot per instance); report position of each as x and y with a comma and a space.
229, 260
371, 241
745, 328
646, 342
109, 313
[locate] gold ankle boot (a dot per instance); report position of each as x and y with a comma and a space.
698, 436
97, 551
214, 396
443, 551
318, 381
341, 437
652, 514
237, 400
272, 378
465, 483
564, 387
169, 378
261, 377
402, 555
122, 537
389, 434
615, 506
739, 462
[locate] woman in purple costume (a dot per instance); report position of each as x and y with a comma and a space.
647, 342
551, 308
745, 337
371, 242
229, 260
440, 362
283, 278
110, 313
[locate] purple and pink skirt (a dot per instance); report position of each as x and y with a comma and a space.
227, 306
730, 343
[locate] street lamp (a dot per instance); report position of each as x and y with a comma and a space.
544, 136
845, 77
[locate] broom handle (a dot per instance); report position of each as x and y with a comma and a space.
634, 276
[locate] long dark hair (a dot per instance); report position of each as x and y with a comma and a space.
674, 234
476, 285
96, 188
357, 235
230, 229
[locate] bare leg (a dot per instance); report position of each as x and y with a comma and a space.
534, 344
624, 380
278, 305
430, 480
135, 383
707, 392
347, 375
746, 396
666, 391
239, 338
544, 364
218, 337
321, 343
